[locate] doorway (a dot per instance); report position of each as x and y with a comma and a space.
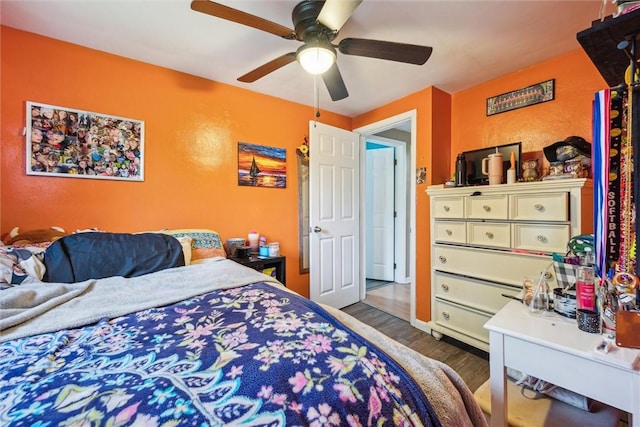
396, 295
387, 285
339, 155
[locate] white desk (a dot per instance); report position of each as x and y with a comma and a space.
552, 348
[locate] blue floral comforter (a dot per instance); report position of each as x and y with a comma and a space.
252, 355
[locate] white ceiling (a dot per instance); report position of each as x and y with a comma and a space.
473, 41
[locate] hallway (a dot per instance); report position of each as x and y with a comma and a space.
390, 297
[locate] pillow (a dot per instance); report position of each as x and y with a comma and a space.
20, 266
82, 256
28, 237
205, 243
185, 242
89, 230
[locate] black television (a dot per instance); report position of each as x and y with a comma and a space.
474, 162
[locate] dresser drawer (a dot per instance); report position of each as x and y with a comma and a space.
461, 320
448, 207
450, 231
540, 207
484, 296
541, 237
498, 266
494, 234
493, 206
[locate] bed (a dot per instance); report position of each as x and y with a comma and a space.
209, 343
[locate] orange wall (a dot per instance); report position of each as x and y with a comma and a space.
576, 81
192, 127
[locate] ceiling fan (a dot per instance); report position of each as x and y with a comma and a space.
317, 24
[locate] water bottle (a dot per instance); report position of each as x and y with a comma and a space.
461, 171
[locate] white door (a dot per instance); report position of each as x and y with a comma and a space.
334, 200
379, 208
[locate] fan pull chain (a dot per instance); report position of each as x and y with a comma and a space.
316, 95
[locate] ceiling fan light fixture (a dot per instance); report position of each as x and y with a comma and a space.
316, 57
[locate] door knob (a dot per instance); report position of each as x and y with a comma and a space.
317, 229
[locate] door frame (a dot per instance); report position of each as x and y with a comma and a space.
368, 131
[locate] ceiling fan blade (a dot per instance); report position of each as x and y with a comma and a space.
335, 13
392, 51
267, 68
230, 14
334, 83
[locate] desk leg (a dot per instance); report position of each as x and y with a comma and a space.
635, 414
498, 379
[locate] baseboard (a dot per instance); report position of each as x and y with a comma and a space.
422, 325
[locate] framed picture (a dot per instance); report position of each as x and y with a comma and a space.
261, 166
81, 144
530, 95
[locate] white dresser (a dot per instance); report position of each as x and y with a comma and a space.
486, 239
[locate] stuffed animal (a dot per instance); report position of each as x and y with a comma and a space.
33, 236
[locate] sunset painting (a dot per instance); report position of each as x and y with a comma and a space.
261, 166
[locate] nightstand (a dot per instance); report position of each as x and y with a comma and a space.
261, 263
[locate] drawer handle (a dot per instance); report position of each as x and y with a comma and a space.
446, 208
443, 259
449, 232
486, 208
538, 207
445, 286
489, 235
542, 238
445, 315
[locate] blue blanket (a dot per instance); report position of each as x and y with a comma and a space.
253, 355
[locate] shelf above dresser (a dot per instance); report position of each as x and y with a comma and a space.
600, 42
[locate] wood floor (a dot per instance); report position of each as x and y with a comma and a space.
394, 298
470, 363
